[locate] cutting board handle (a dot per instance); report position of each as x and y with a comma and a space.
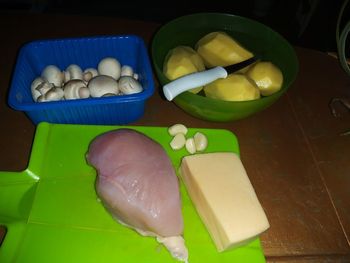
12, 238
17, 191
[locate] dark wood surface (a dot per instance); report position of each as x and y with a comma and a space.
296, 159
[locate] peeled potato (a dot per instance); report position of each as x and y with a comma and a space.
220, 49
180, 61
236, 87
267, 76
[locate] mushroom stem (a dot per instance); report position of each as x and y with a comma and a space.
53, 94
76, 89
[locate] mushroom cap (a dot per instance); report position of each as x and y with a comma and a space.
54, 94
102, 85
53, 75
44, 87
76, 89
35, 92
126, 70
73, 71
89, 73
129, 85
110, 67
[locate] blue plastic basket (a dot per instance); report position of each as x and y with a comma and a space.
85, 52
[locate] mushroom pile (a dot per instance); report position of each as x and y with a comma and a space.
109, 79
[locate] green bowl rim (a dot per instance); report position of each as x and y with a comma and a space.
203, 98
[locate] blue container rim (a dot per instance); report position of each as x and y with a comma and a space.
146, 93
91, 37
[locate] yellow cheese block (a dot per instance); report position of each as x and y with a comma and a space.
224, 198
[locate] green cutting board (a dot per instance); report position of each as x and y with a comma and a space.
52, 213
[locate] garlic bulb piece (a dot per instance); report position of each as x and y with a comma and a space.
200, 141
178, 141
129, 85
44, 87
177, 128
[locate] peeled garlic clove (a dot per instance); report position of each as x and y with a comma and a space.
200, 141
129, 85
178, 141
76, 89
177, 128
190, 145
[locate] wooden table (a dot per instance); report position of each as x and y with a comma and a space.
293, 153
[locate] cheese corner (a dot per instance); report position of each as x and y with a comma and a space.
224, 198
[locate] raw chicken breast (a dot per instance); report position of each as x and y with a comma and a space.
138, 186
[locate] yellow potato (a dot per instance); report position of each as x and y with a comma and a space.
267, 76
220, 49
236, 87
180, 61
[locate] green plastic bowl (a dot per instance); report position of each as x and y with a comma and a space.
256, 37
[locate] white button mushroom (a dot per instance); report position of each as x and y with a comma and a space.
76, 89
126, 71
102, 85
178, 141
177, 128
190, 145
129, 85
53, 94
44, 87
35, 92
89, 73
200, 141
53, 75
73, 71
109, 67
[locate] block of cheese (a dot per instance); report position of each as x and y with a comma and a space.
224, 198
